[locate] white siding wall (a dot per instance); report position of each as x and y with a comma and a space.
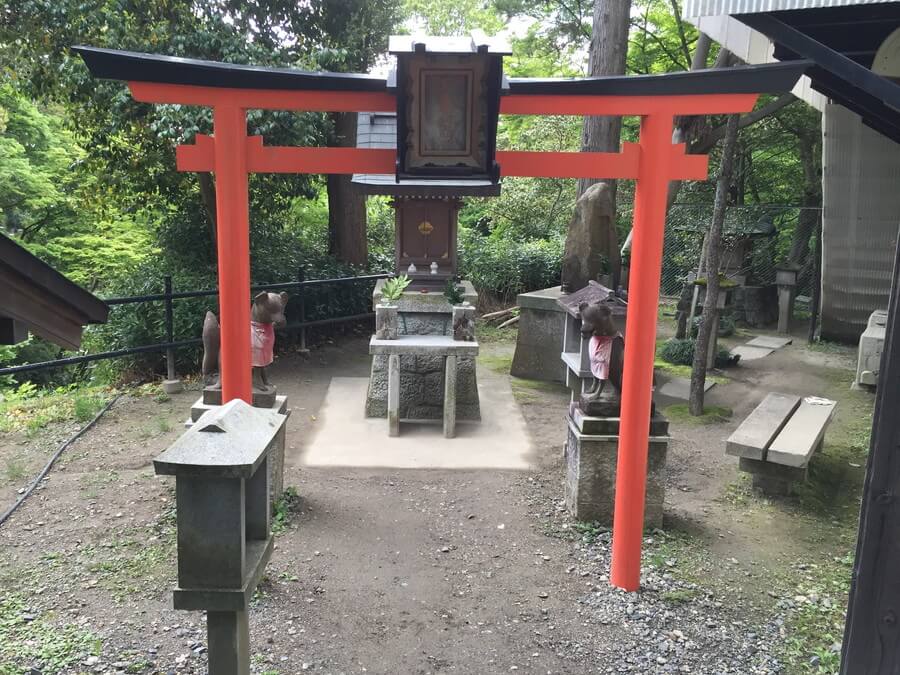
861, 218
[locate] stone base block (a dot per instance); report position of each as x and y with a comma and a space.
276, 455
422, 388
609, 426
540, 337
591, 476
212, 395
172, 386
774, 480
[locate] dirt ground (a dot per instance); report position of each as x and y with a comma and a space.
433, 571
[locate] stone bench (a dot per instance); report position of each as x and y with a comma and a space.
422, 345
777, 440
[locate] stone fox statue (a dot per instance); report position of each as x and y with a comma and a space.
266, 312
607, 347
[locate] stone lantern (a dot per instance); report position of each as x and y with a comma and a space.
223, 511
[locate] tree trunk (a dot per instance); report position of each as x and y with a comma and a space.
817, 285
346, 203
609, 47
714, 245
812, 198
208, 197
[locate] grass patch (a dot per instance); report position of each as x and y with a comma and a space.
685, 371
712, 414
815, 624
828, 347
32, 409
28, 641
14, 469
487, 333
283, 508
499, 363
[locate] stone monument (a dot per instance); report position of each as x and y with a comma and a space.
593, 355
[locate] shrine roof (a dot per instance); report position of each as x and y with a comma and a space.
433, 44
139, 67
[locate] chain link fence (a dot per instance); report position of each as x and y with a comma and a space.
755, 240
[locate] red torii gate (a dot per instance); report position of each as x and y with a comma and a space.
654, 161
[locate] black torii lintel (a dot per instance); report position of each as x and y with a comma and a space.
112, 64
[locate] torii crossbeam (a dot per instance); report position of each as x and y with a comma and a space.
230, 90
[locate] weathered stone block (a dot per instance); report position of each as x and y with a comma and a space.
540, 336
591, 476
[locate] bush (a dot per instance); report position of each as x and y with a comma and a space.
678, 352
681, 353
504, 268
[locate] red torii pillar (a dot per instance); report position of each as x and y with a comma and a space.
653, 162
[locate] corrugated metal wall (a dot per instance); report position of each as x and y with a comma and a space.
694, 8
376, 130
861, 219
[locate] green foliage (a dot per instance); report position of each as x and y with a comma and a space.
454, 292
505, 268
393, 288
680, 413
286, 504
681, 352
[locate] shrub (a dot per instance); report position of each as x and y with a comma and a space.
681, 353
506, 267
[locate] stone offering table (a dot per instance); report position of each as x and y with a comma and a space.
422, 371
442, 348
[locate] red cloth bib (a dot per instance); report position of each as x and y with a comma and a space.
262, 343
601, 352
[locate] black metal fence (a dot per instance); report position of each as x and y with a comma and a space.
168, 296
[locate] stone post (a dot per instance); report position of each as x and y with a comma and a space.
386, 319
464, 323
787, 286
223, 512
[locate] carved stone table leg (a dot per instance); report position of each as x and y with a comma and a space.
393, 402
450, 397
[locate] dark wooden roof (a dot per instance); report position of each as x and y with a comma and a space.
37, 297
840, 44
138, 67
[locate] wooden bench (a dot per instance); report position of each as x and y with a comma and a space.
777, 440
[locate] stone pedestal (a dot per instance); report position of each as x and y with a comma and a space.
591, 456
422, 375
262, 398
871, 344
787, 289
540, 339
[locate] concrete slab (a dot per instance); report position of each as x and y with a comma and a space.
803, 432
770, 341
761, 426
680, 387
749, 353
345, 437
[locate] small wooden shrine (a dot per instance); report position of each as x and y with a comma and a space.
445, 134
